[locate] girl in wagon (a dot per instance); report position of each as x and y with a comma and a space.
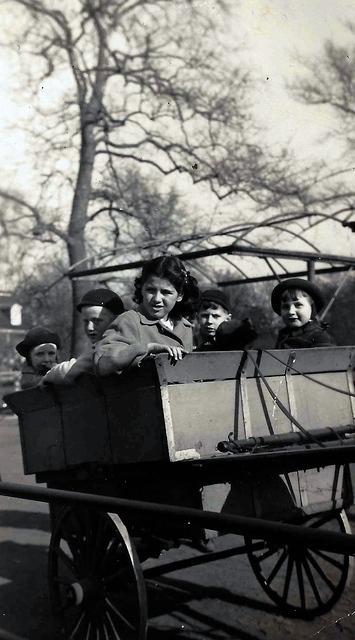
167, 294
298, 301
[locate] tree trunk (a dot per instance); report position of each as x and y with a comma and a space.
78, 220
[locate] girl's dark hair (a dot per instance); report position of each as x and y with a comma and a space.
172, 269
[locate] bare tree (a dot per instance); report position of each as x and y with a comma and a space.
137, 82
328, 83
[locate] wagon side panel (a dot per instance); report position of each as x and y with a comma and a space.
41, 433
135, 418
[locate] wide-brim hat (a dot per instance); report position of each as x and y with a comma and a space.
217, 297
296, 283
102, 298
34, 337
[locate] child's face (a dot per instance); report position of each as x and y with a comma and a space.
96, 319
159, 297
43, 357
296, 309
209, 320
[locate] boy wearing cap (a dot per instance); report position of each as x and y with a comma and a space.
217, 330
40, 349
98, 307
298, 301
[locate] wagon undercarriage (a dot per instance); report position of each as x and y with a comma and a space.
258, 446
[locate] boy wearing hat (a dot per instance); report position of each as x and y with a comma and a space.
98, 308
40, 348
217, 330
298, 301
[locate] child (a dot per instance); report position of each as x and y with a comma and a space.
298, 301
217, 330
98, 308
166, 293
40, 348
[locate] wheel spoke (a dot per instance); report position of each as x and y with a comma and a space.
290, 563
102, 564
320, 572
87, 637
67, 562
115, 576
329, 559
120, 615
277, 567
300, 583
328, 517
112, 626
110, 553
77, 626
311, 581
98, 542
267, 554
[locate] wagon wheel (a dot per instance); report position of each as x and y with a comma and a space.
303, 582
96, 583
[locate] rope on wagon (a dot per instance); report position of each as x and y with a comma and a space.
282, 407
305, 375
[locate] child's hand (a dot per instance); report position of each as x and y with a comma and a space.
175, 353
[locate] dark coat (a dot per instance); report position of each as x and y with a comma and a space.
29, 378
311, 334
231, 336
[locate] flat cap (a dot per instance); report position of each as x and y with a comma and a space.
102, 298
296, 283
217, 296
35, 337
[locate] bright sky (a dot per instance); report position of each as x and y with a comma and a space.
275, 31
270, 32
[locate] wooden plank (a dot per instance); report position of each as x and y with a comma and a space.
318, 406
202, 415
35, 399
135, 421
84, 422
202, 366
225, 365
42, 441
319, 360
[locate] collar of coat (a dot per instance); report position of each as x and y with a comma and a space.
310, 326
144, 320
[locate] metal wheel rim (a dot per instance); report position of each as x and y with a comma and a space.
303, 583
96, 584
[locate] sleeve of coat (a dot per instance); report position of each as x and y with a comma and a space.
323, 339
68, 371
120, 345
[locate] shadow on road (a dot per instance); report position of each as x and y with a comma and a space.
24, 520
172, 595
24, 604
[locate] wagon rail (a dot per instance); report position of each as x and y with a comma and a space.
240, 525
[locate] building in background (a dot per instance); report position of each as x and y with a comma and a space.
11, 332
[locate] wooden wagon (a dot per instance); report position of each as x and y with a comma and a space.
266, 434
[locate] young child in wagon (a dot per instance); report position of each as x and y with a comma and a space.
167, 294
40, 348
217, 329
298, 302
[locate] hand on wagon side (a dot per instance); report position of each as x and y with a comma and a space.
175, 352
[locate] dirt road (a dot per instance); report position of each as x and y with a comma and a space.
208, 602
